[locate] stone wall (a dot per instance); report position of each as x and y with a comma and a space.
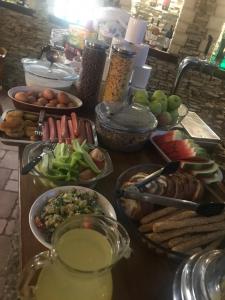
198, 19
22, 36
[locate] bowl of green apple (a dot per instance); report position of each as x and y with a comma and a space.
169, 110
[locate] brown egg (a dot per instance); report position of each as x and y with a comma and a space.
42, 101
48, 94
54, 102
63, 98
20, 96
32, 93
33, 138
60, 105
37, 104
71, 104
50, 105
31, 99
87, 174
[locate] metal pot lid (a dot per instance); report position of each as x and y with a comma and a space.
129, 118
42, 69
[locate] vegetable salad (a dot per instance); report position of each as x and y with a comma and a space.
72, 162
65, 205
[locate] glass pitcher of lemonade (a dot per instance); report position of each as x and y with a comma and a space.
79, 265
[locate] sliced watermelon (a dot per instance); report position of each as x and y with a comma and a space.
196, 165
192, 154
183, 149
177, 145
207, 172
182, 146
172, 135
213, 178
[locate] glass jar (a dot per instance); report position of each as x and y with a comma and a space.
120, 70
126, 130
93, 63
201, 277
79, 265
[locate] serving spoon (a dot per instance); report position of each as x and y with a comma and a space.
204, 209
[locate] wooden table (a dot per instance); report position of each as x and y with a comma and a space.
145, 275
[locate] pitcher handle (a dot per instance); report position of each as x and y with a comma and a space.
26, 289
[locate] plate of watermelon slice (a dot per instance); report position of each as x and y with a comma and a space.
176, 145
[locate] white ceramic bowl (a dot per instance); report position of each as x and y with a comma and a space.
38, 73
42, 199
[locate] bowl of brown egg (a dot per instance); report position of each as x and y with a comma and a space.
36, 98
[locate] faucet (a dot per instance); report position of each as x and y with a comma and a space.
195, 63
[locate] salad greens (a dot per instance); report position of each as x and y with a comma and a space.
66, 162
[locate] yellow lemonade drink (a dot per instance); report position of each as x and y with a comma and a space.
81, 249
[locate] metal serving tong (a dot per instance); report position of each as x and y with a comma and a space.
204, 209
29, 166
170, 168
134, 192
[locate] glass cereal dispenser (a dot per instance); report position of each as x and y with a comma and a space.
120, 70
93, 63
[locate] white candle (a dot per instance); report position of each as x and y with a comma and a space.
135, 31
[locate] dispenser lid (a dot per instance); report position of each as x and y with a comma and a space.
124, 48
57, 71
97, 44
129, 118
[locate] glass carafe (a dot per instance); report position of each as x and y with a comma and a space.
79, 265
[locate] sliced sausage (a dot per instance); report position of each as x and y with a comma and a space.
65, 130
89, 133
75, 124
45, 132
82, 131
59, 131
52, 129
70, 125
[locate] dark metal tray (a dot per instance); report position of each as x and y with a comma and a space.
24, 141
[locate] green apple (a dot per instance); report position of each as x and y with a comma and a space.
141, 97
149, 95
158, 95
174, 102
164, 104
155, 107
164, 118
174, 114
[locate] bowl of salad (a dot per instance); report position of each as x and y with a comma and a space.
57, 205
68, 163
